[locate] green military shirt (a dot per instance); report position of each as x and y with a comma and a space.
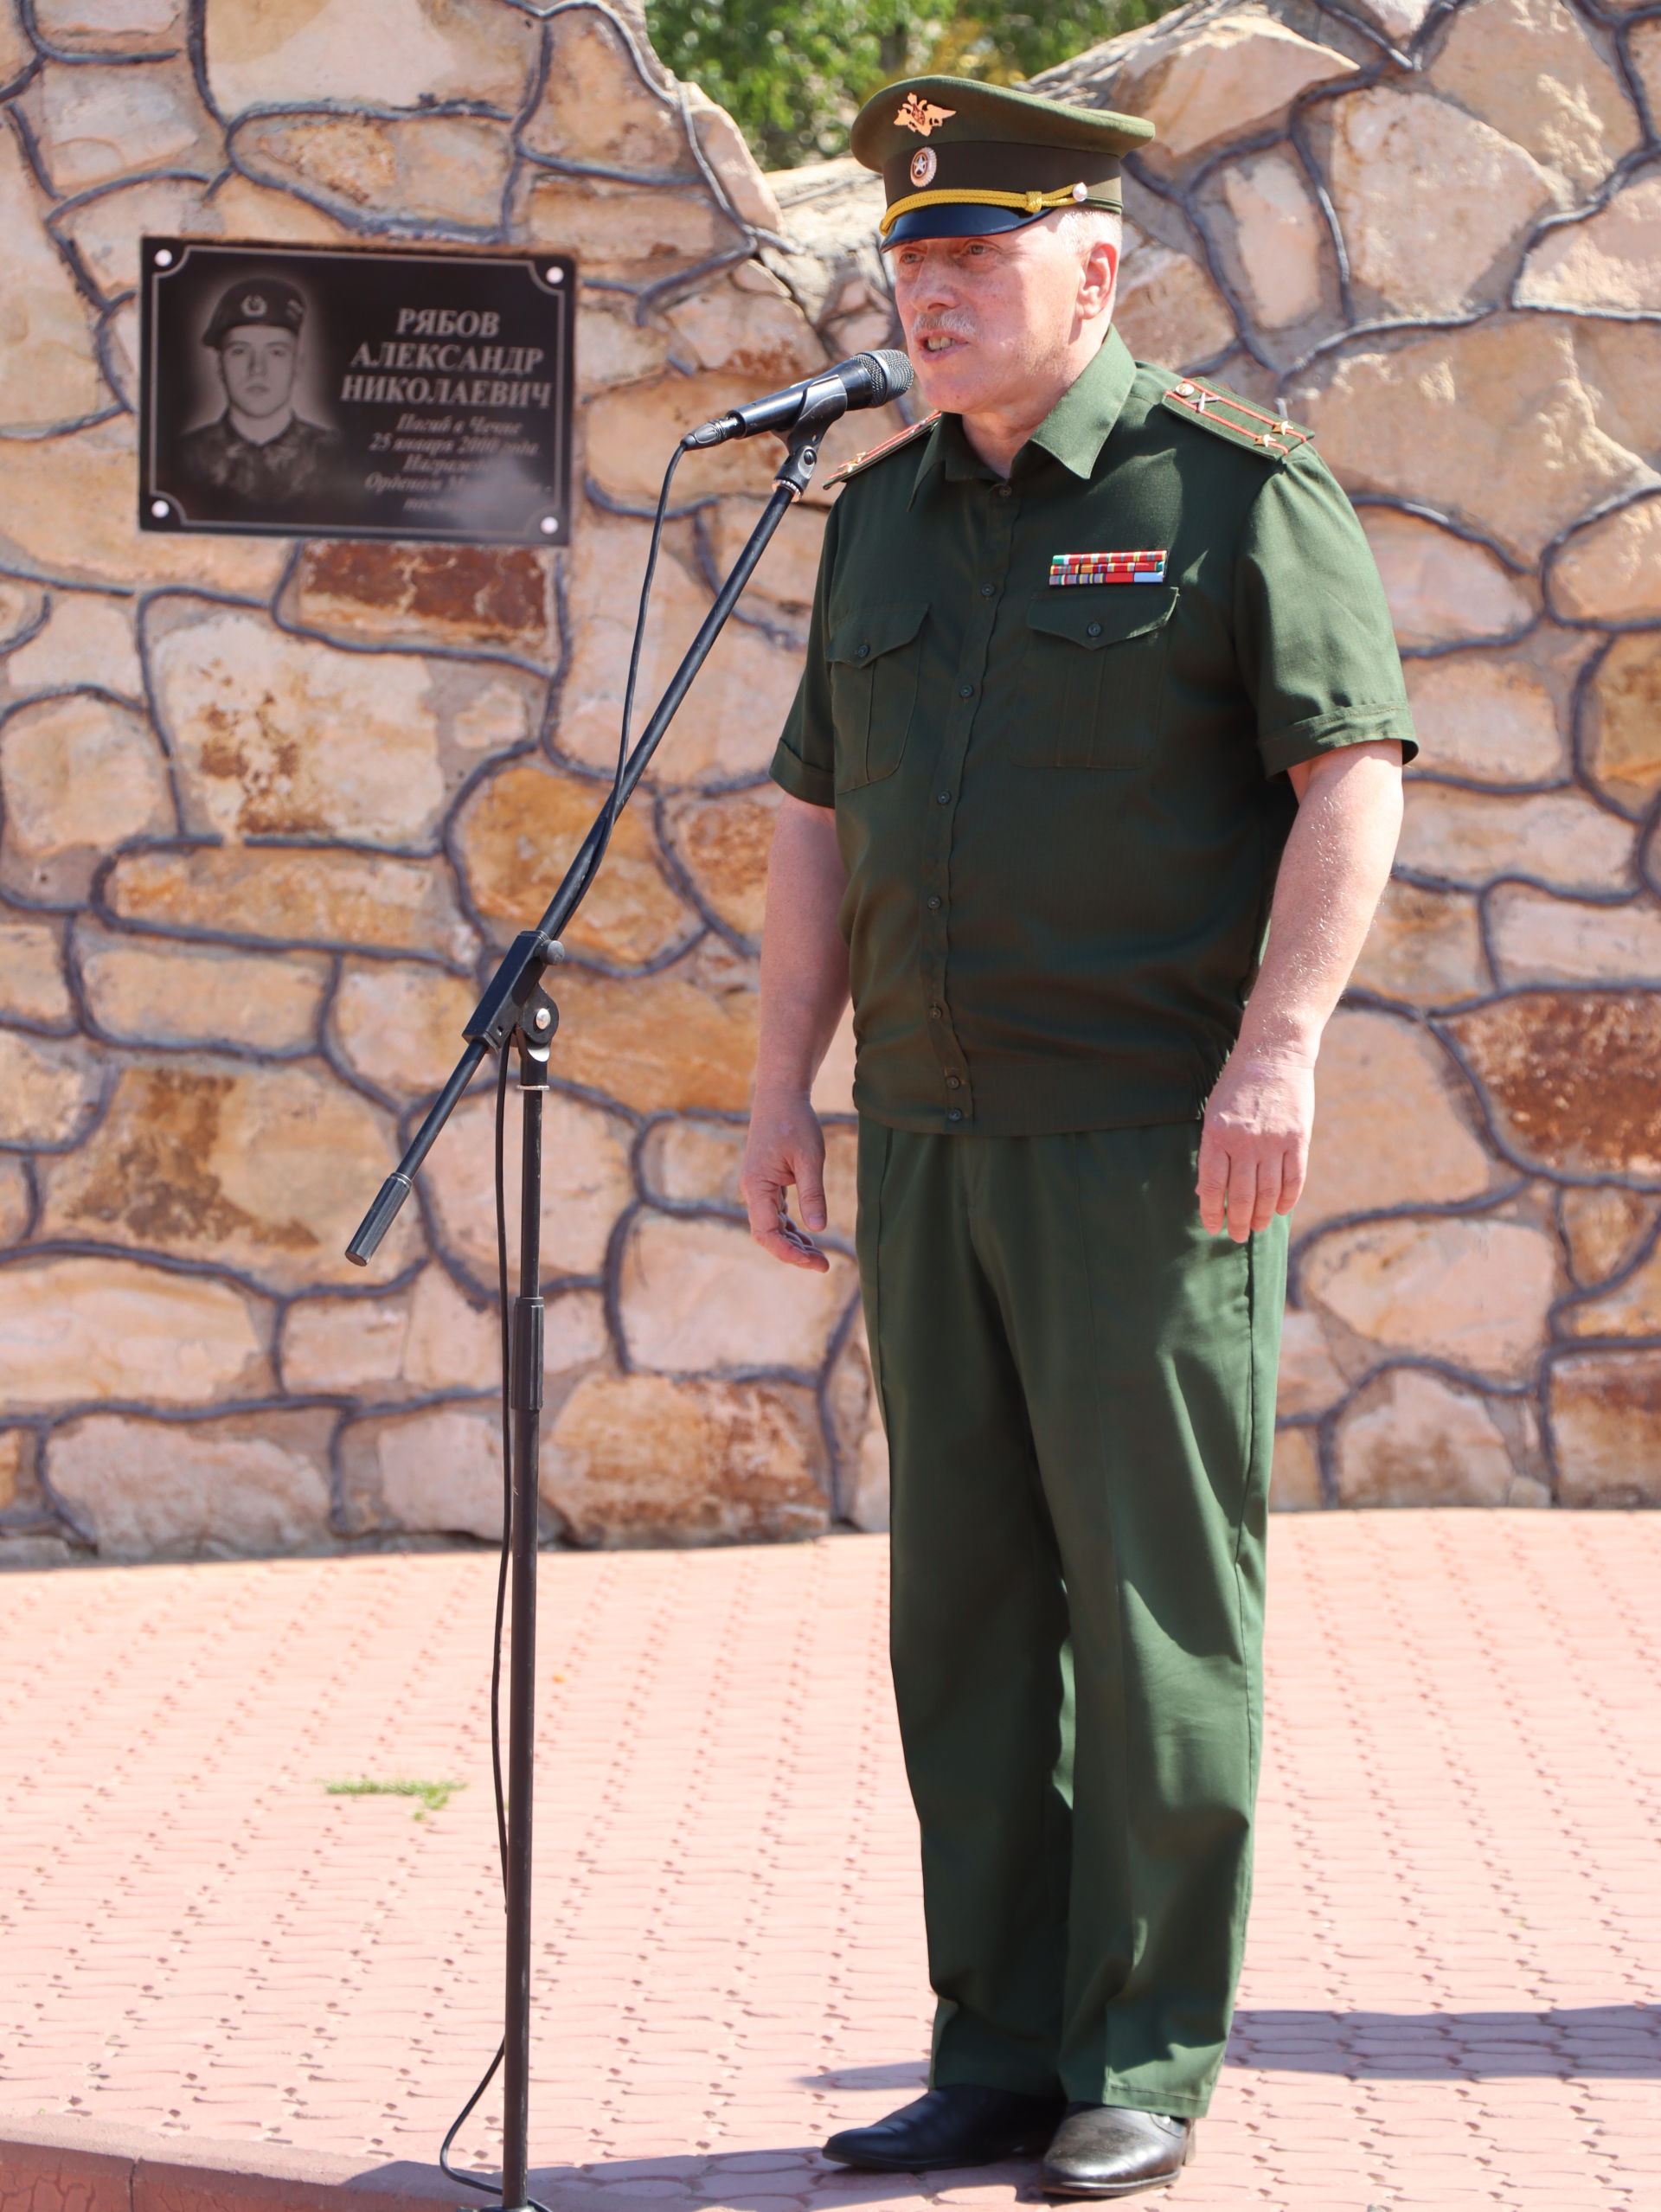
1061, 810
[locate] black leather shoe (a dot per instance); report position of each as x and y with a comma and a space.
1111, 2151
959, 2125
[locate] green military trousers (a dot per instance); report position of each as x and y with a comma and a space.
1078, 1385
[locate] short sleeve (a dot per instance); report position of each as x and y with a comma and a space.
804, 761
1312, 624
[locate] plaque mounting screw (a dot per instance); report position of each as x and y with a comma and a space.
556, 276
165, 258
551, 525
160, 509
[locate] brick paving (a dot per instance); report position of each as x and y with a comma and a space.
1449, 1996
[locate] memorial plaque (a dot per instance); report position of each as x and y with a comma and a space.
364, 392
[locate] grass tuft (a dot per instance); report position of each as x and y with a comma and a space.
435, 1796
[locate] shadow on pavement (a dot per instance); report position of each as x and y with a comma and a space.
1596, 2040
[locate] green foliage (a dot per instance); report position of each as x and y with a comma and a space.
794, 73
435, 1796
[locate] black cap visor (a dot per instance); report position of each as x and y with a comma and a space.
958, 219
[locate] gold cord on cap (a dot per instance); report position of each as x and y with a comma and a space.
1031, 203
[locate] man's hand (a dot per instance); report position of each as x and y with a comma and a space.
1255, 1147
786, 1147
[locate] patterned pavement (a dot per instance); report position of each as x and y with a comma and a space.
1450, 1990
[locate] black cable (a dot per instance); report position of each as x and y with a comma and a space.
490, 2184
614, 797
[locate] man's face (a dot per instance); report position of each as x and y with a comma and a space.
986, 319
258, 366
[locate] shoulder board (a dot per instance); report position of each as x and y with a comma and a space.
1229, 416
908, 436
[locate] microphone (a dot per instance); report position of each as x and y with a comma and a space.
866, 380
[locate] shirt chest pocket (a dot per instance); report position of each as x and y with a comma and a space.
874, 657
1094, 687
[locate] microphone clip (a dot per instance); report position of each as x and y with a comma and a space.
795, 473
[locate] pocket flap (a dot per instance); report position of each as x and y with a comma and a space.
860, 637
1092, 615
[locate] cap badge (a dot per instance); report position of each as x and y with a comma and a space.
924, 163
1144, 568
921, 116
254, 308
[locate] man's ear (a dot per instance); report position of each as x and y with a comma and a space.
1099, 278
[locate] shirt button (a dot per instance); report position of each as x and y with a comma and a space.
935, 1012
1094, 630
933, 906
1004, 491
956, 1114
860, 651
966, 691
942, 799
987, 590
955, 1082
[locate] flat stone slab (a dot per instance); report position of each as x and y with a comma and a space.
228, 1989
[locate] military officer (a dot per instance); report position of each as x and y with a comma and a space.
259, 449
1099, 676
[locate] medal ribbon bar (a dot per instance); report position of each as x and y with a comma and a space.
1145, 567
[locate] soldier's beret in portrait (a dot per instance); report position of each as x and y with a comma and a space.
960, 159
262, 302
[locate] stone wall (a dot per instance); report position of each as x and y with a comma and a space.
267, 809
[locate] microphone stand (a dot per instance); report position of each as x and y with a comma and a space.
516, 1014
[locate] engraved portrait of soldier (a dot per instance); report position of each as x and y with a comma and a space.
258, 449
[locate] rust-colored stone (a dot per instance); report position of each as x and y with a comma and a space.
518, 833
265, 1169
1168, 310
78, 776
1623, 722
290, 895
1610, 571
724, 843
693, 1160
459, 595
1606, 1421
158, 991
1390, 1128
1631, 1309
1295, 1476
15, 1200
32, 986
585, 1185
1411, 1439
1602, 1224
278, 736
659, 1042
1570, 1078
1423, 946
1309, 1381
47, 1088
1473, 1293
439, 169
438, 1471
16, 1466
857, 1436
645, 1459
